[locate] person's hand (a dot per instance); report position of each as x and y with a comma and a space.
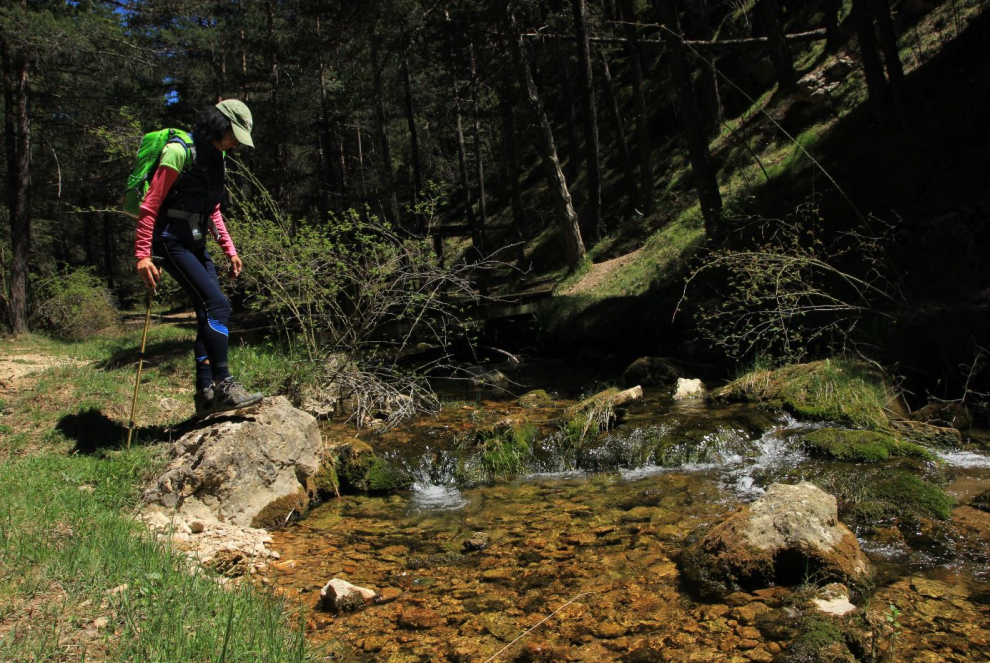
236, 266
148, 272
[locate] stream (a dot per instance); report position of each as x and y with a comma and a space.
582, 547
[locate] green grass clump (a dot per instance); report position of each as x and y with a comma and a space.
68, 547
838, 390
506, 454
819, 641
860, 446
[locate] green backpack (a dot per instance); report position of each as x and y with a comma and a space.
146, 164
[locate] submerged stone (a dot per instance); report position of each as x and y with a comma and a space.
790, 535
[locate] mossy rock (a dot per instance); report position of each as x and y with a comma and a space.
359, 468
948, 415
326, 482
982, 501
819, 640
384, 477
846, 392
885, 495
928, 435
278, 513
534, 399
860, 446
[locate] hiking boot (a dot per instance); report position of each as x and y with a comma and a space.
203, 398
231, 395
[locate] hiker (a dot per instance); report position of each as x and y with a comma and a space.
176, 215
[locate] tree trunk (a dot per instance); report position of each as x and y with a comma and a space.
17, 131
876, 82
466, 180
479, 157
831, 9
281, 157
557, 184
510, 158
642, 116
413, 141
615, 117
593, 222
709, 98
768, 14
705, 181
888, 44
328, 143
381, 119
109, 250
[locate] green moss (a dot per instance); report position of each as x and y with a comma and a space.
819, 641
325, 481
383, 477
883, 495
277, 514
839, 390
505, 458
534, 399
860, 446
358, 468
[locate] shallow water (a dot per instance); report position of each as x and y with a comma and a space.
601, 547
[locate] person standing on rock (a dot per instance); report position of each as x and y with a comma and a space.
177, 214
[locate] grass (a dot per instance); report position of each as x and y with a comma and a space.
80, 579
836, 390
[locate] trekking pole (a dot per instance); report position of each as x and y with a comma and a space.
137, 380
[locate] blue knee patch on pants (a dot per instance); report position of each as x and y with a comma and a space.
217, 326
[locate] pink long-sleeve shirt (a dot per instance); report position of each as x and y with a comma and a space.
161, 184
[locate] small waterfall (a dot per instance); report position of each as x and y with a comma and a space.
434, 486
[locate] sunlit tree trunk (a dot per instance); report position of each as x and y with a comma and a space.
876, 82
381, 119
413, 139
466, 180
709, 196
556, 181
479, 156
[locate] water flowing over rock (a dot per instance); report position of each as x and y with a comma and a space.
789, 536
240, 469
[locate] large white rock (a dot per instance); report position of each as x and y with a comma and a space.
230, 469
689, 389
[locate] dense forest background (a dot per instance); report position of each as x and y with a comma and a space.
815, 171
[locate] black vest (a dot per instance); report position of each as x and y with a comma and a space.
200, 189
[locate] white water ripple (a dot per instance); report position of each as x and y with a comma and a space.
967, 459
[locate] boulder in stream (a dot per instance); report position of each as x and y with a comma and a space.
241, 469
687, 389
789, 536
341, 596
650, 372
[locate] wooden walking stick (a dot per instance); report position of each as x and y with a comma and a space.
137, 380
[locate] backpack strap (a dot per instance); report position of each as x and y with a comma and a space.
186, 140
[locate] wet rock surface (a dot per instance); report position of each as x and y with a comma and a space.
235, 466
786, 536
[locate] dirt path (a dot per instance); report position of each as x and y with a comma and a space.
16, 370
601, 272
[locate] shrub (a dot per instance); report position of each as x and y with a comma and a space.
74, 305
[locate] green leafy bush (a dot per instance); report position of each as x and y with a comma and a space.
73, 305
